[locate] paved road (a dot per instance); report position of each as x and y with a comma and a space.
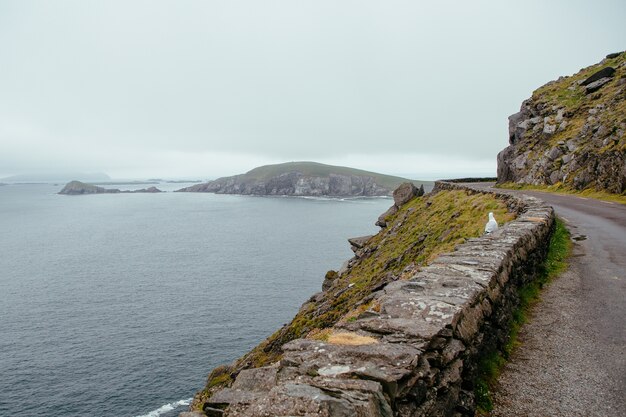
572, 361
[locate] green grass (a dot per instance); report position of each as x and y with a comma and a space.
491, 364
565, 190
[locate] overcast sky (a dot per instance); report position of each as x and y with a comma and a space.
212, 88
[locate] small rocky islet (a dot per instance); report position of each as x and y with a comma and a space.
81, 188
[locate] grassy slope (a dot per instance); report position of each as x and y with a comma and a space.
321, 170
422, 229
557, 93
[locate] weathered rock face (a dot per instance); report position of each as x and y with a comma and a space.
414, 351
572, 132
296, 184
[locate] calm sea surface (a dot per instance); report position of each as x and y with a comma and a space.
119, 305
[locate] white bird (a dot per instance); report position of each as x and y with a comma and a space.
492, 224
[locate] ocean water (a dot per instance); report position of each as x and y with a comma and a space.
119, 305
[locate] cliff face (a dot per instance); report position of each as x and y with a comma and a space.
571, 132
296, 184
303, 179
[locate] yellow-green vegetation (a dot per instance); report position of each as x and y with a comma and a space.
422, 229
555, 263
566, 93
340, 337
565, 190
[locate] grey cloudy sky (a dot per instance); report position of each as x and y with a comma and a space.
210, 88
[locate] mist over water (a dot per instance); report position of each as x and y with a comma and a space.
119, 305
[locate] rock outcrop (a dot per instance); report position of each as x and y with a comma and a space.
401, 195
571, 132
302, 179
411, 342
81, 188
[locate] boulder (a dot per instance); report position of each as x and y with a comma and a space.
603, 73
330, 277
613, 55
549, 129
250, 385
404, 193
382, 222
596, 85
359, 242
554, 153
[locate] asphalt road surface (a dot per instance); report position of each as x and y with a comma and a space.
572, 361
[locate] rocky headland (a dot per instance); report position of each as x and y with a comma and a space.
81, 188
303, 179
572, 132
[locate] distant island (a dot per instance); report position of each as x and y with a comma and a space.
304, 179
81, 188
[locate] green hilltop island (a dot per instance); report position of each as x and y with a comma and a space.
305, 179
405, 327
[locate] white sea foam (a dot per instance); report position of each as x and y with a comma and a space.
167, 407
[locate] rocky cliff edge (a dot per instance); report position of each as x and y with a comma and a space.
571, 132
399, 330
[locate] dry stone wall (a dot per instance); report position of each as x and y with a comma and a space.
416, 353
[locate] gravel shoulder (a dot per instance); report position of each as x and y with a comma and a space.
572, 358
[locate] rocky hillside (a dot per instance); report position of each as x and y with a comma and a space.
571, 132
303, 179
80, 188
416, 231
